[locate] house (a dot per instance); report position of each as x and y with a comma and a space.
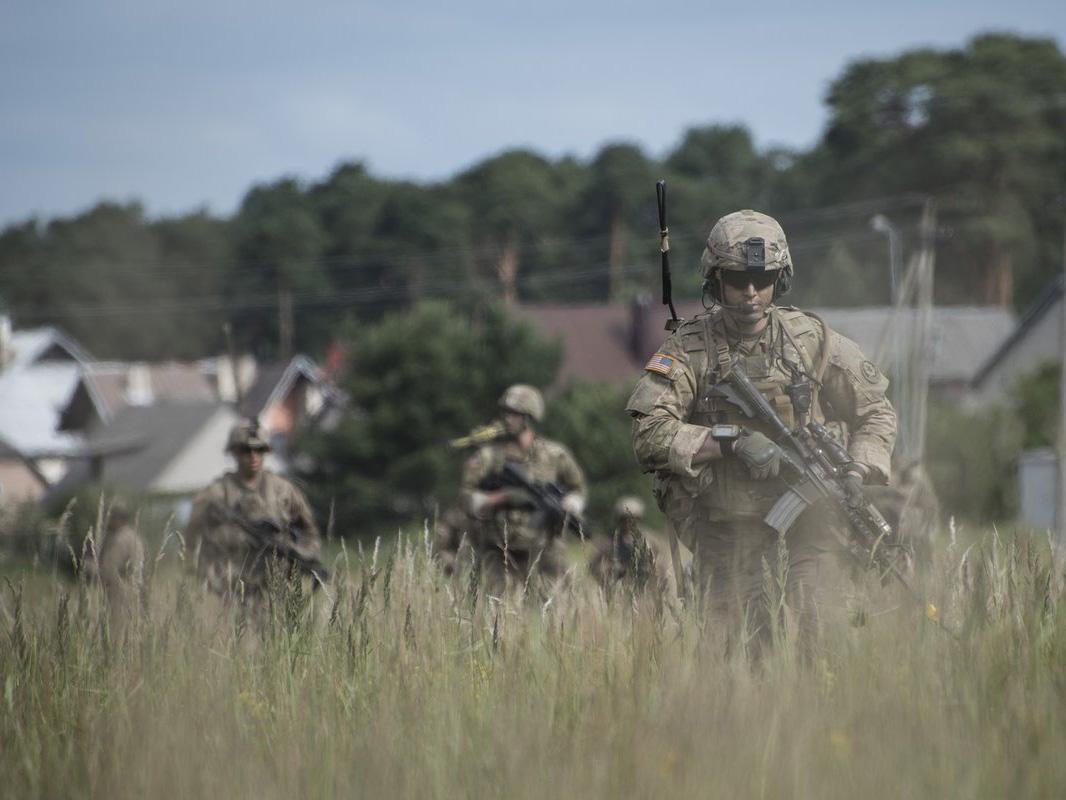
169, 450
39, 371
1036, 340
611, 343
20, 480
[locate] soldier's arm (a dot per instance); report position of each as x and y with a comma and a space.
572, 478
303, 519
198, 519
855, 391
477, 502
660, 405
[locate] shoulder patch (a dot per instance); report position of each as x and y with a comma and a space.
869, 371
660, 363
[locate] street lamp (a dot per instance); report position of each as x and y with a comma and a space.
881, 224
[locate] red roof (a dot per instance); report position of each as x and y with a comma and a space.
606, 343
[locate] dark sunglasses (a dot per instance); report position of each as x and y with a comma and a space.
244, 449
740, 280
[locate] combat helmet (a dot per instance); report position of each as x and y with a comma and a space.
247, 434
523, 399
629, 506
746, 241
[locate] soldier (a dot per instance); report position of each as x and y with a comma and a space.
631, 550
514, 531
121, 565
716, 470
227, 514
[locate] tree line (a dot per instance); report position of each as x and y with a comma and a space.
982, 129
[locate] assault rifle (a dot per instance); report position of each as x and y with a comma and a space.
271, 539
546, 497
815, 468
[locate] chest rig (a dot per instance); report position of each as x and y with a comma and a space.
779, 365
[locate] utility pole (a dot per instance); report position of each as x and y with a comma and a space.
1060, 495
922, 353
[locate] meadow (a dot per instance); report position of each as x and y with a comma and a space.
399, 681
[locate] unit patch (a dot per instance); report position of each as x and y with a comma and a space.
660, 363
869, 371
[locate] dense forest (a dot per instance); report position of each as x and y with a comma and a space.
981, 129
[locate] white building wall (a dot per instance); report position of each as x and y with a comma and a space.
1040, 345
202, 460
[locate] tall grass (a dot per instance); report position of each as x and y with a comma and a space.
399, 681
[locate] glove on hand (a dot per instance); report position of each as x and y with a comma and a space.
517, 497
853, 480
760, 455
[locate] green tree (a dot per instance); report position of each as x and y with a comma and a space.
414, 380
618, 198
279, 277
590, 419
979, 128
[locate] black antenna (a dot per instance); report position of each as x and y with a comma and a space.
664, 248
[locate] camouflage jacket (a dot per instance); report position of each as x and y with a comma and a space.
673, 406
546, 461
273, 497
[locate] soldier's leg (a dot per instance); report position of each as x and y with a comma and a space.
810, 545
731, 557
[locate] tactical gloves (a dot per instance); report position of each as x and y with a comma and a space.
760, 455
853, 480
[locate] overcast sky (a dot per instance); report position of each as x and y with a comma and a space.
185, 104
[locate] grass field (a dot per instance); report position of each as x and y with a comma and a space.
401, 682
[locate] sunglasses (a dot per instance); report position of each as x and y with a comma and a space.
740, 280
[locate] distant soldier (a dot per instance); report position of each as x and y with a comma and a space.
518, 530
451, 538
120, 565
633, 551
244, 519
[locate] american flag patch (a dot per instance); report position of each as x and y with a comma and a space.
660, 363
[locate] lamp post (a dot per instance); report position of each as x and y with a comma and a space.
881, 224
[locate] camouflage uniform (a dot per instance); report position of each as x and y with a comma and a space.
229, 561
632, 551
121, 569
717, 508
510, 538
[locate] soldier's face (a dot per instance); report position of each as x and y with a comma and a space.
514, 423
249, 462
749, 294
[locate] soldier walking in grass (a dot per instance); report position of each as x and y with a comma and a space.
120, 565
631, 551
517, 532
716, 470
246, 519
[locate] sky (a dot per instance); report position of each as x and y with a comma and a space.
183, 106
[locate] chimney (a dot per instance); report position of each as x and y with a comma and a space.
638, 323
139, 385
6, 354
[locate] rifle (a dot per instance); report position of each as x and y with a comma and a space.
816, 465
546, 497
272, 539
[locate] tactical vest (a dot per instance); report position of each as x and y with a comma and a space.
792, 351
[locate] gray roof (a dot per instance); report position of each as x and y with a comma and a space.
963, 337
140, 442
1044, 302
